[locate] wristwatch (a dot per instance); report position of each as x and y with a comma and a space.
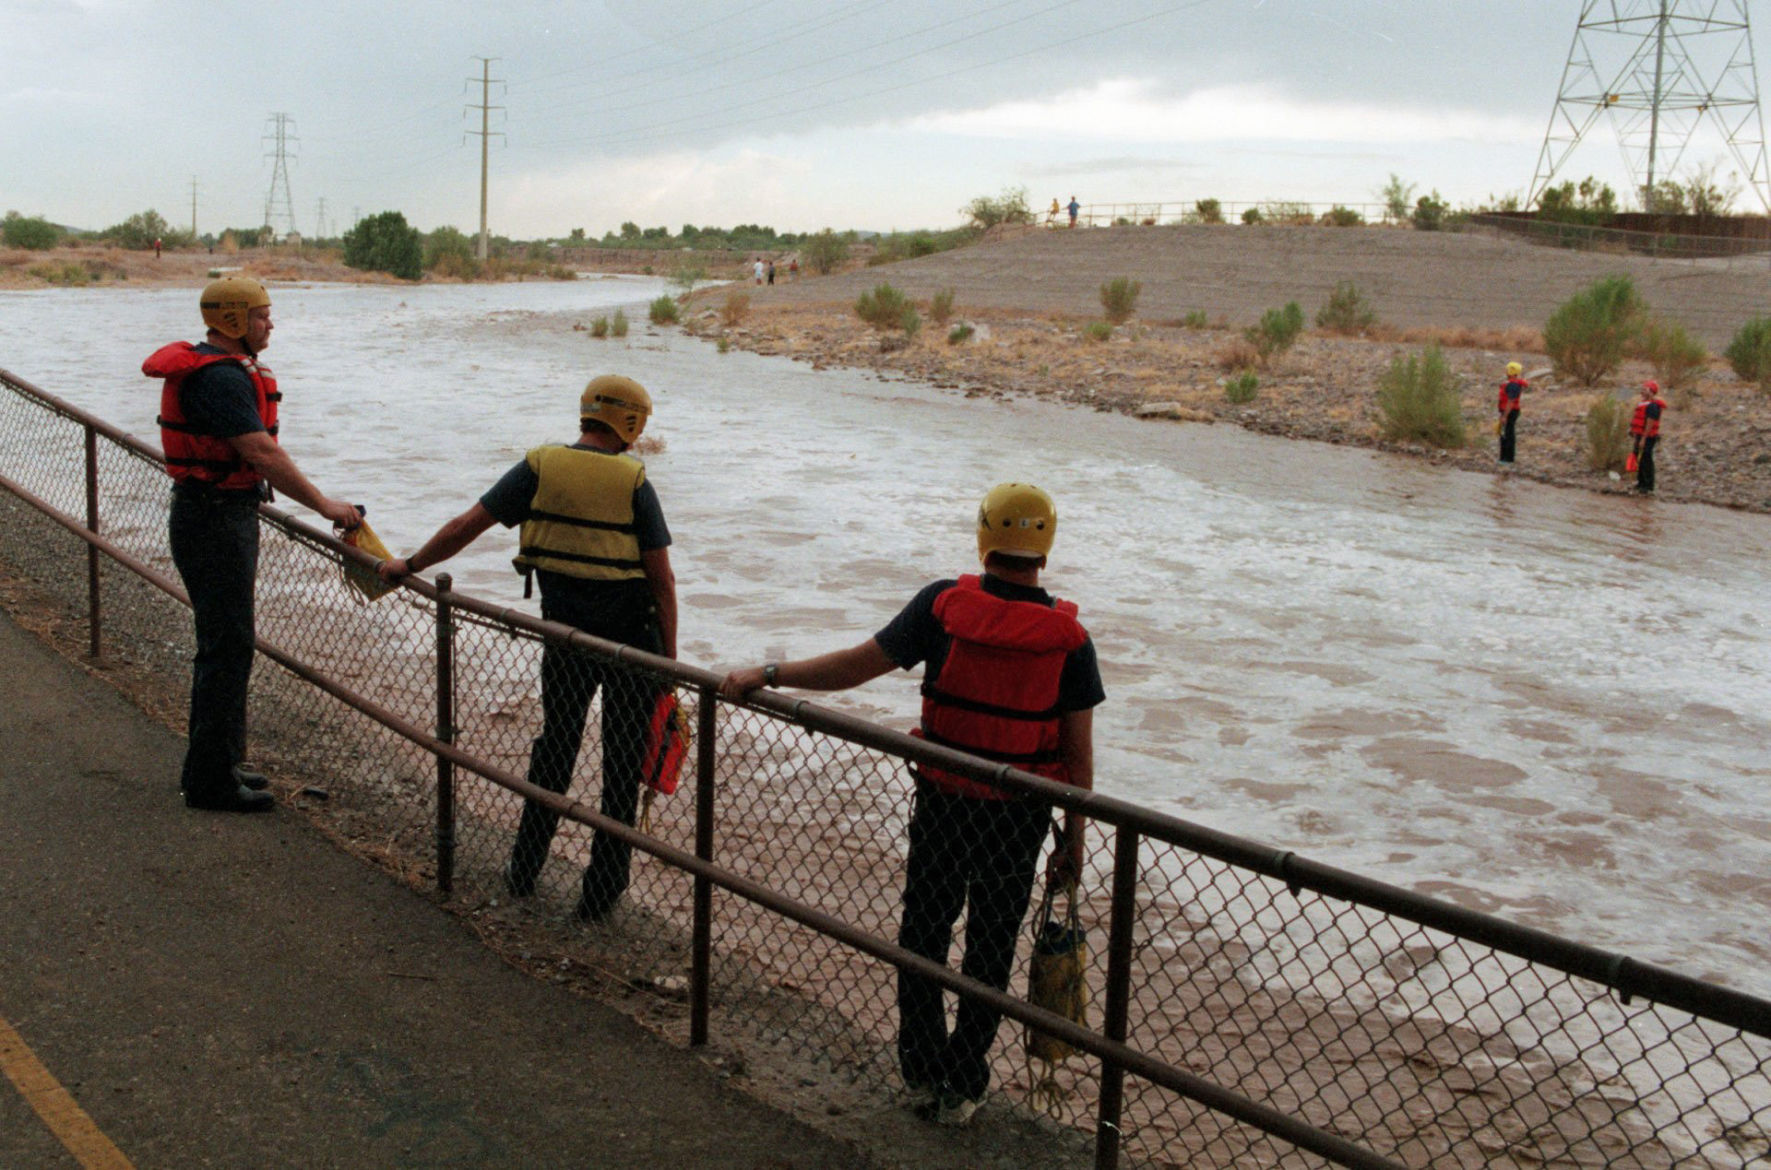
770, 670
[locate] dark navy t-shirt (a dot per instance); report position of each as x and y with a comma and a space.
219, 399
915, 635
508, 500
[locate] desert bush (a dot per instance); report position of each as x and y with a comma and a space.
985, 212
941, 306
663, 311
618, 324
732, 310
1282, 211
1749, 353
1339, 216
685, 275
385, 243
139, 231
64, 273
725, 343
1209, 211
1588, 336
1097, 331
1608, 433
959, 333
1251, 215
882, 306
1429, 213
1194, 320
1240, 388
1676, 356
449, 252
1119, 299
1590, 202
910, 321
1238, 354
1396, 195
1346, 311
825, 251
1419, 400
599, 327
1277, 331
31, 232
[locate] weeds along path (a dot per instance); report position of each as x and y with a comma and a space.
1413, 279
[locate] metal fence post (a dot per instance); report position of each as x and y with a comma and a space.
1111, 1107
701, 965
93, 622
446, 733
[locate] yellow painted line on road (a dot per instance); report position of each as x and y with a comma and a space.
70, 1124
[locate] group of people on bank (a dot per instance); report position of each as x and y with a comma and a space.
1644, 424
1010, 674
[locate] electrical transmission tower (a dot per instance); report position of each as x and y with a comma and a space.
280, 131
1659, 68
485, 132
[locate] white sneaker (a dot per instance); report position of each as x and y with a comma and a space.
956, 1110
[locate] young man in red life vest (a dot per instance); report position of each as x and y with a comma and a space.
1511, 392
1009, 675
218, 426
1645, 429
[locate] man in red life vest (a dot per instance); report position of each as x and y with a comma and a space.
1511, 392
218, 425
1645, 429
1009, 675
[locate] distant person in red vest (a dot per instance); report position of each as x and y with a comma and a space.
1009, 675
1511, 392
1645, 429
156, 247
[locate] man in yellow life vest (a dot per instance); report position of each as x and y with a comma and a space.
593, 533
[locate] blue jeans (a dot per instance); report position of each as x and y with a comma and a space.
977, 856
214, 537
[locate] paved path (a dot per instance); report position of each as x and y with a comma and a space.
216, 990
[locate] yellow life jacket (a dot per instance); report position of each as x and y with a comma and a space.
581, 520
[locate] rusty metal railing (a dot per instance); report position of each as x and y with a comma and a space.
1259, 1008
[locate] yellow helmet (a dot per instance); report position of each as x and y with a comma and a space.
226, 303
1514, 369
1017, 519
619, 403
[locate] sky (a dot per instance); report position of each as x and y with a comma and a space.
800, 114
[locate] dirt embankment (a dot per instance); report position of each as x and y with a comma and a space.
1481, 297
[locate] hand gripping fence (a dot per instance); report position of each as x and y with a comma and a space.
1254, 1008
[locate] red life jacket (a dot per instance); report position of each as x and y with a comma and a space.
1512, 394
192, 457
1645, 424
997, 692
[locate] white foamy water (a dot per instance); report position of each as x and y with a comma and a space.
1544, 703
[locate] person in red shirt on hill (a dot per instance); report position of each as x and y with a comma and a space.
1645, 428
1511, 393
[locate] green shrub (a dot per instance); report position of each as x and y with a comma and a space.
910, 321
31, 232
1588, 336
1346, 311
1277, 332
1591, 203
66, 273
882, 307
1097, 331
1429, 213
985, 212
1251, 215
732, 311
941, 306
599, 327
1676, 356
1339, 216
1194, 320
618, 324
825, 252
449, 252
140, 230
1396, 195
1608, 433
385, 243
663, 311
959, 333
1241, 388
1420, 402
1749, 353
685, 274
1119, 299
1209, 211
725, 343
1283, 211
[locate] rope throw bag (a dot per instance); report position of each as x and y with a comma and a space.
360, 577
1057, 982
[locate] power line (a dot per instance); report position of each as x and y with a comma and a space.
282, 133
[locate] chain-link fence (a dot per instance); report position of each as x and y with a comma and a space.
1247, 1007
1755, 249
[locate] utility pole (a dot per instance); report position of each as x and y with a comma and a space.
193, 208
281, 133
1660, 68
320, 220
486, 81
